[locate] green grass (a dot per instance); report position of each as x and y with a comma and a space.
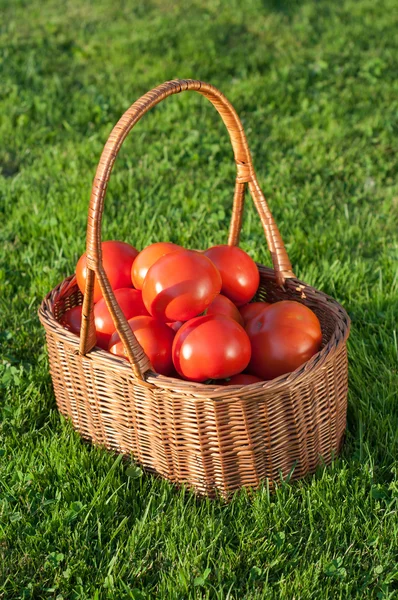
315, 84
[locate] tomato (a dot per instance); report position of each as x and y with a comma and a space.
242, 379
283, 337
249, 311
180, 286
147, 258
239, 273
175, 325
222, 305
210, 347
154, 337
131, 305
72, 319
117, 260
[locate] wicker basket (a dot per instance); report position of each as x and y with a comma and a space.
211, 438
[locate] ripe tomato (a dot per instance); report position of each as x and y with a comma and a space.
72, 319
222, 305
146, 258
242, 379
131, 305
180, 286
239, 273
283, 337
155, 338
210, 347
249, 311
117, 259
175, 325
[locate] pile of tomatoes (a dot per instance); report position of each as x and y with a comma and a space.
192, 313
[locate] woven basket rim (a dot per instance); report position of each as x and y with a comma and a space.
206, 390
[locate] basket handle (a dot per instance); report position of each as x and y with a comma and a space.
245, 175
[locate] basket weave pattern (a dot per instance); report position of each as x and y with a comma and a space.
209, 437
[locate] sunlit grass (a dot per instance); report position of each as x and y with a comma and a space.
316, 87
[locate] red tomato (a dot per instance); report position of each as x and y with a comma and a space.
131, 305
249, 311
117, 259
147, 258
155, 338
239, 273
283, 337
180, 286
243, 379
175, 325
72, 319
210, 347
222, 305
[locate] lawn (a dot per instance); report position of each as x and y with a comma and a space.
316, 85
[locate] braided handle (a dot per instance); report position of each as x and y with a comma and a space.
245, 175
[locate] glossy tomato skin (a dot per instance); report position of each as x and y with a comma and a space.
180, 285
156, 339
222, 305
131, 305
210, 347
146, 258
249, 311
117, 259
72, 319
283, 337
243, 379
239, 273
